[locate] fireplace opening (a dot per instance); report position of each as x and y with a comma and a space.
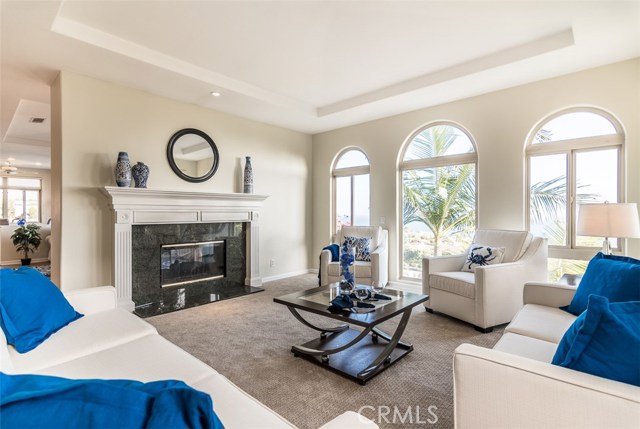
186, 263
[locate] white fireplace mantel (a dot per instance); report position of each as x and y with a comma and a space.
142, 206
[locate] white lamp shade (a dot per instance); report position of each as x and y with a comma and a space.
609, 220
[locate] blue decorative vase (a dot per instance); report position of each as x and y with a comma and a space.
123, 170
140, 173
347, 269
248, 176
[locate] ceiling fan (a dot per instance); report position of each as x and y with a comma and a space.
7, 168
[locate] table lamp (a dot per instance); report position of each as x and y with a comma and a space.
606, 220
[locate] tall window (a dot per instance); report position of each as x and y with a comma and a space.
438, 171
21, 198
574, 157
351, 189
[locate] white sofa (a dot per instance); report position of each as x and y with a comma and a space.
8, 253
514, 385
490, 295
111, 343
367, 273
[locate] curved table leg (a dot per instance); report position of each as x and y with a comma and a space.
386, 353
302, 320
380, 333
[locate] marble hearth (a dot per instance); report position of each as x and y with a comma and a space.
146, 219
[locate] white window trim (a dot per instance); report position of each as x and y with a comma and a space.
571, 147
433, 162
5, 199
347, 172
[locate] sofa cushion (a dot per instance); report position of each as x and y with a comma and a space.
456, 282
90, 334
515, 243
615, 277
480, 255
604, 341
31, 308
236, 408
528, 347
148, 358
541, 322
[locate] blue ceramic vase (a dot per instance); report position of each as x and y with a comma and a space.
140, 173
123, 170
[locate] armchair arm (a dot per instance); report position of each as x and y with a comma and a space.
439, 264
548, 294
380, 261
493, 389
325, 258
93, 299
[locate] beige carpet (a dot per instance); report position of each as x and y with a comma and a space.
248, 340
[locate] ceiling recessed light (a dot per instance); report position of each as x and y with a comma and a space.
216, 93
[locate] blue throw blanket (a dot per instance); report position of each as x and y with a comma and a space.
38, 401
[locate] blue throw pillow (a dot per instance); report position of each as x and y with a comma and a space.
335, 252
31, 308
604, 341
615, 277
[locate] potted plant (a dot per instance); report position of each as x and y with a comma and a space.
27, 239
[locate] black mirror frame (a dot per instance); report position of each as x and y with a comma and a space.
216, 157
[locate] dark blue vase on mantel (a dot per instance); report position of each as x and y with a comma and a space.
123, 170
140, 173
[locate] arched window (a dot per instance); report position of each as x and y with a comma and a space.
351, 189
438, 172
573, 157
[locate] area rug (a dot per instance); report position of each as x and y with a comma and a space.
248, 340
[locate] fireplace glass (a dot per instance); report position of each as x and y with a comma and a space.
192, 262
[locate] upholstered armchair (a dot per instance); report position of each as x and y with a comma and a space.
488, 295
367, 272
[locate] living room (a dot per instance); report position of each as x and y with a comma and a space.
94, 116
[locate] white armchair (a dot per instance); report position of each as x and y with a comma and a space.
367, 273
490, 295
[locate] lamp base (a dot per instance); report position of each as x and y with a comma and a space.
606, 246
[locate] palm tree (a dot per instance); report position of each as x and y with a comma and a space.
441, 198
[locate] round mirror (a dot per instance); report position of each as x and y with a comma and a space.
192, 154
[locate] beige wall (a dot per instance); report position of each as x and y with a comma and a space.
500, 123
99, 119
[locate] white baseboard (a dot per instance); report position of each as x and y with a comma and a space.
17, 261
287, 275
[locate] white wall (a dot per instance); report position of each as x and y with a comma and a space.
99, 119
500, 123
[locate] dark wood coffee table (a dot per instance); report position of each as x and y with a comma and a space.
357, 354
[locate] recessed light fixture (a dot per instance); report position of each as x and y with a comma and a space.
215, 93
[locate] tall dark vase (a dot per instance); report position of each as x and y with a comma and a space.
248, 176
140, 173
123, 170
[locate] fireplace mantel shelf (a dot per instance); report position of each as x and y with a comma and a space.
145, 196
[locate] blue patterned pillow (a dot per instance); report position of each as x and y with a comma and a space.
362, 245
480, 255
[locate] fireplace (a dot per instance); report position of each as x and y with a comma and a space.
145, 220
187, 263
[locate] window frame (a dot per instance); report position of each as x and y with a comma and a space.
4, 188
347, 172
423, 163
571, 148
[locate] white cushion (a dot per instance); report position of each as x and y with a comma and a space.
541, 322
89, 334
236, 408
361, 231
5, 358
456, 282
363, 269
528, 347
350, 420
149, 358
513, 241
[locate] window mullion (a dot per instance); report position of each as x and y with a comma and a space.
353, 188
571, 189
